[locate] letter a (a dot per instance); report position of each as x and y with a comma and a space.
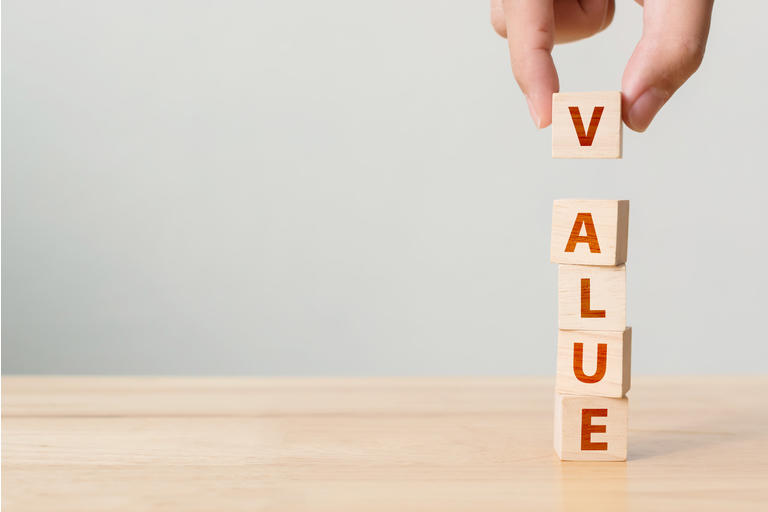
583, 219
586, 307
585, 139
578, 363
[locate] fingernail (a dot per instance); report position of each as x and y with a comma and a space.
534, 115
644, 109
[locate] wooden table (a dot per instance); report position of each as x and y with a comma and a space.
137, 444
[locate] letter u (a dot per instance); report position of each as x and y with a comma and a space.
578, 363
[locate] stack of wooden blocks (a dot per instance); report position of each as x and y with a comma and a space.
589, 242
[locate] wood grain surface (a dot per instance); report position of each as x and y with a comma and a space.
599, 224
607, 141
604, 292
223, 444
616, 377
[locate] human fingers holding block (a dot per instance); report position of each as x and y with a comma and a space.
669, 52
589, 240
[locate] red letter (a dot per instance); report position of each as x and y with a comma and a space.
578, 363
583, 219
586, 312
587, 429
585, 139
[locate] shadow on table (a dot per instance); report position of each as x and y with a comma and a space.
646, 444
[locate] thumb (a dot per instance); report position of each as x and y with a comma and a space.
669, 52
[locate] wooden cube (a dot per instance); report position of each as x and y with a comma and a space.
590, 427
589, 231
592, 298
594, 363
586, 125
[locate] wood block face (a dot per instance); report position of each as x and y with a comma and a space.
592, 298
590, 427
586, 125
589, 232
595, 363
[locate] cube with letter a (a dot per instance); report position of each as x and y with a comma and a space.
590, 427
586, 125
589, 231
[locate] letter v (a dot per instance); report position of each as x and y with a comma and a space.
585, 139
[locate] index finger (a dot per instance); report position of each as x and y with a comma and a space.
531, 37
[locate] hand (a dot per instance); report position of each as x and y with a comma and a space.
670, 49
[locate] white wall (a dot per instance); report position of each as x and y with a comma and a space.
345, 187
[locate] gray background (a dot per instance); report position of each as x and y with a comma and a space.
346, 187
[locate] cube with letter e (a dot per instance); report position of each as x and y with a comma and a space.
590, 428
